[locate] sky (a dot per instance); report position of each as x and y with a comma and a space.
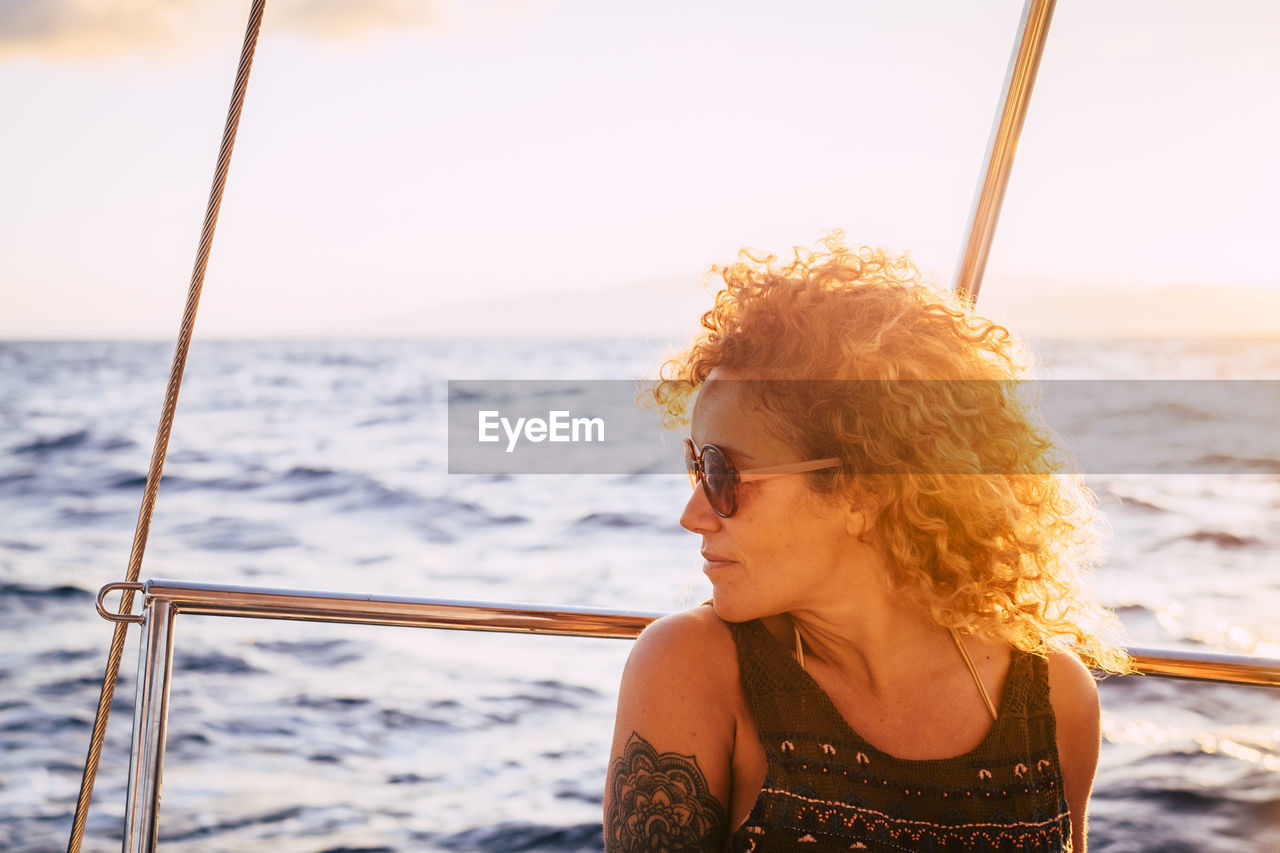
547, 167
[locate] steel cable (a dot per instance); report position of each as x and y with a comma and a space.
166, 422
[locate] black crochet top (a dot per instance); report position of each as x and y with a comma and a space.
827, 789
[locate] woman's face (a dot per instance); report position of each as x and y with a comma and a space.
785, 548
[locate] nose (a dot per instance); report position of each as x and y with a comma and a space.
698, 516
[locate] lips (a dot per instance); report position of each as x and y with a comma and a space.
717, 567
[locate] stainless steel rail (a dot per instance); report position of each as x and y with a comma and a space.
311, 606
163, 600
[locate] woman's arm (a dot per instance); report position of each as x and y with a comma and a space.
1074, 696
669, 771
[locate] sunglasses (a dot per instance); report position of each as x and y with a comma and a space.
720, 479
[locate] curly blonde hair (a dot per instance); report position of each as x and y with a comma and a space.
984, 522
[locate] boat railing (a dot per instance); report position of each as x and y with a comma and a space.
163, 600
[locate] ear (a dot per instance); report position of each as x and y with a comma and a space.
857, 521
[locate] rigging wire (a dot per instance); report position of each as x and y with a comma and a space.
166, 422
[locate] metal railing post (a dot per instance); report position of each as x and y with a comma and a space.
1033, 32
150, 721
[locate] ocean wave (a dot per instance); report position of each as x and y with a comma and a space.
278, 816
213, 663
1178, 412
75, 516
251, 727
1237, 464
29, 599
15, 545
351, 490
344, 491
518, 836
62, 592
1222, 539
131, 481
394, 718
411, 779
41, 722
19, 477
325, 653
615, 520
1208, 819
65, 655
1144, 504
72, 686
179, 483
328, 703
561, 686
227, 533
50, 444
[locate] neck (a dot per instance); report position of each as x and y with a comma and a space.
870, 635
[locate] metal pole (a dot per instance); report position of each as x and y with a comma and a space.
1207, 666
346, 608
1032, 34
298, 605
150, 722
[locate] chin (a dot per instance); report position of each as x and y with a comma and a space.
731, 610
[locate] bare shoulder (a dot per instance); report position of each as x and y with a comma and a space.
692, 651
1072, 689
697, 629
673, 738
694, 623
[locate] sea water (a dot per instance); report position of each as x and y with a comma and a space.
322, 465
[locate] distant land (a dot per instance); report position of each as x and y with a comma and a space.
1062, 310
669, 308
1033, 308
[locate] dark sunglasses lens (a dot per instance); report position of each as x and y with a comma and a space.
719, 480
691, 463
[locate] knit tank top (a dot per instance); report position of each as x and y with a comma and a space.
827, 789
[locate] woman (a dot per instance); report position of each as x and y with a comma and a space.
886, 661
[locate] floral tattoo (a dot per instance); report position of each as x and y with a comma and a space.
660, 802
